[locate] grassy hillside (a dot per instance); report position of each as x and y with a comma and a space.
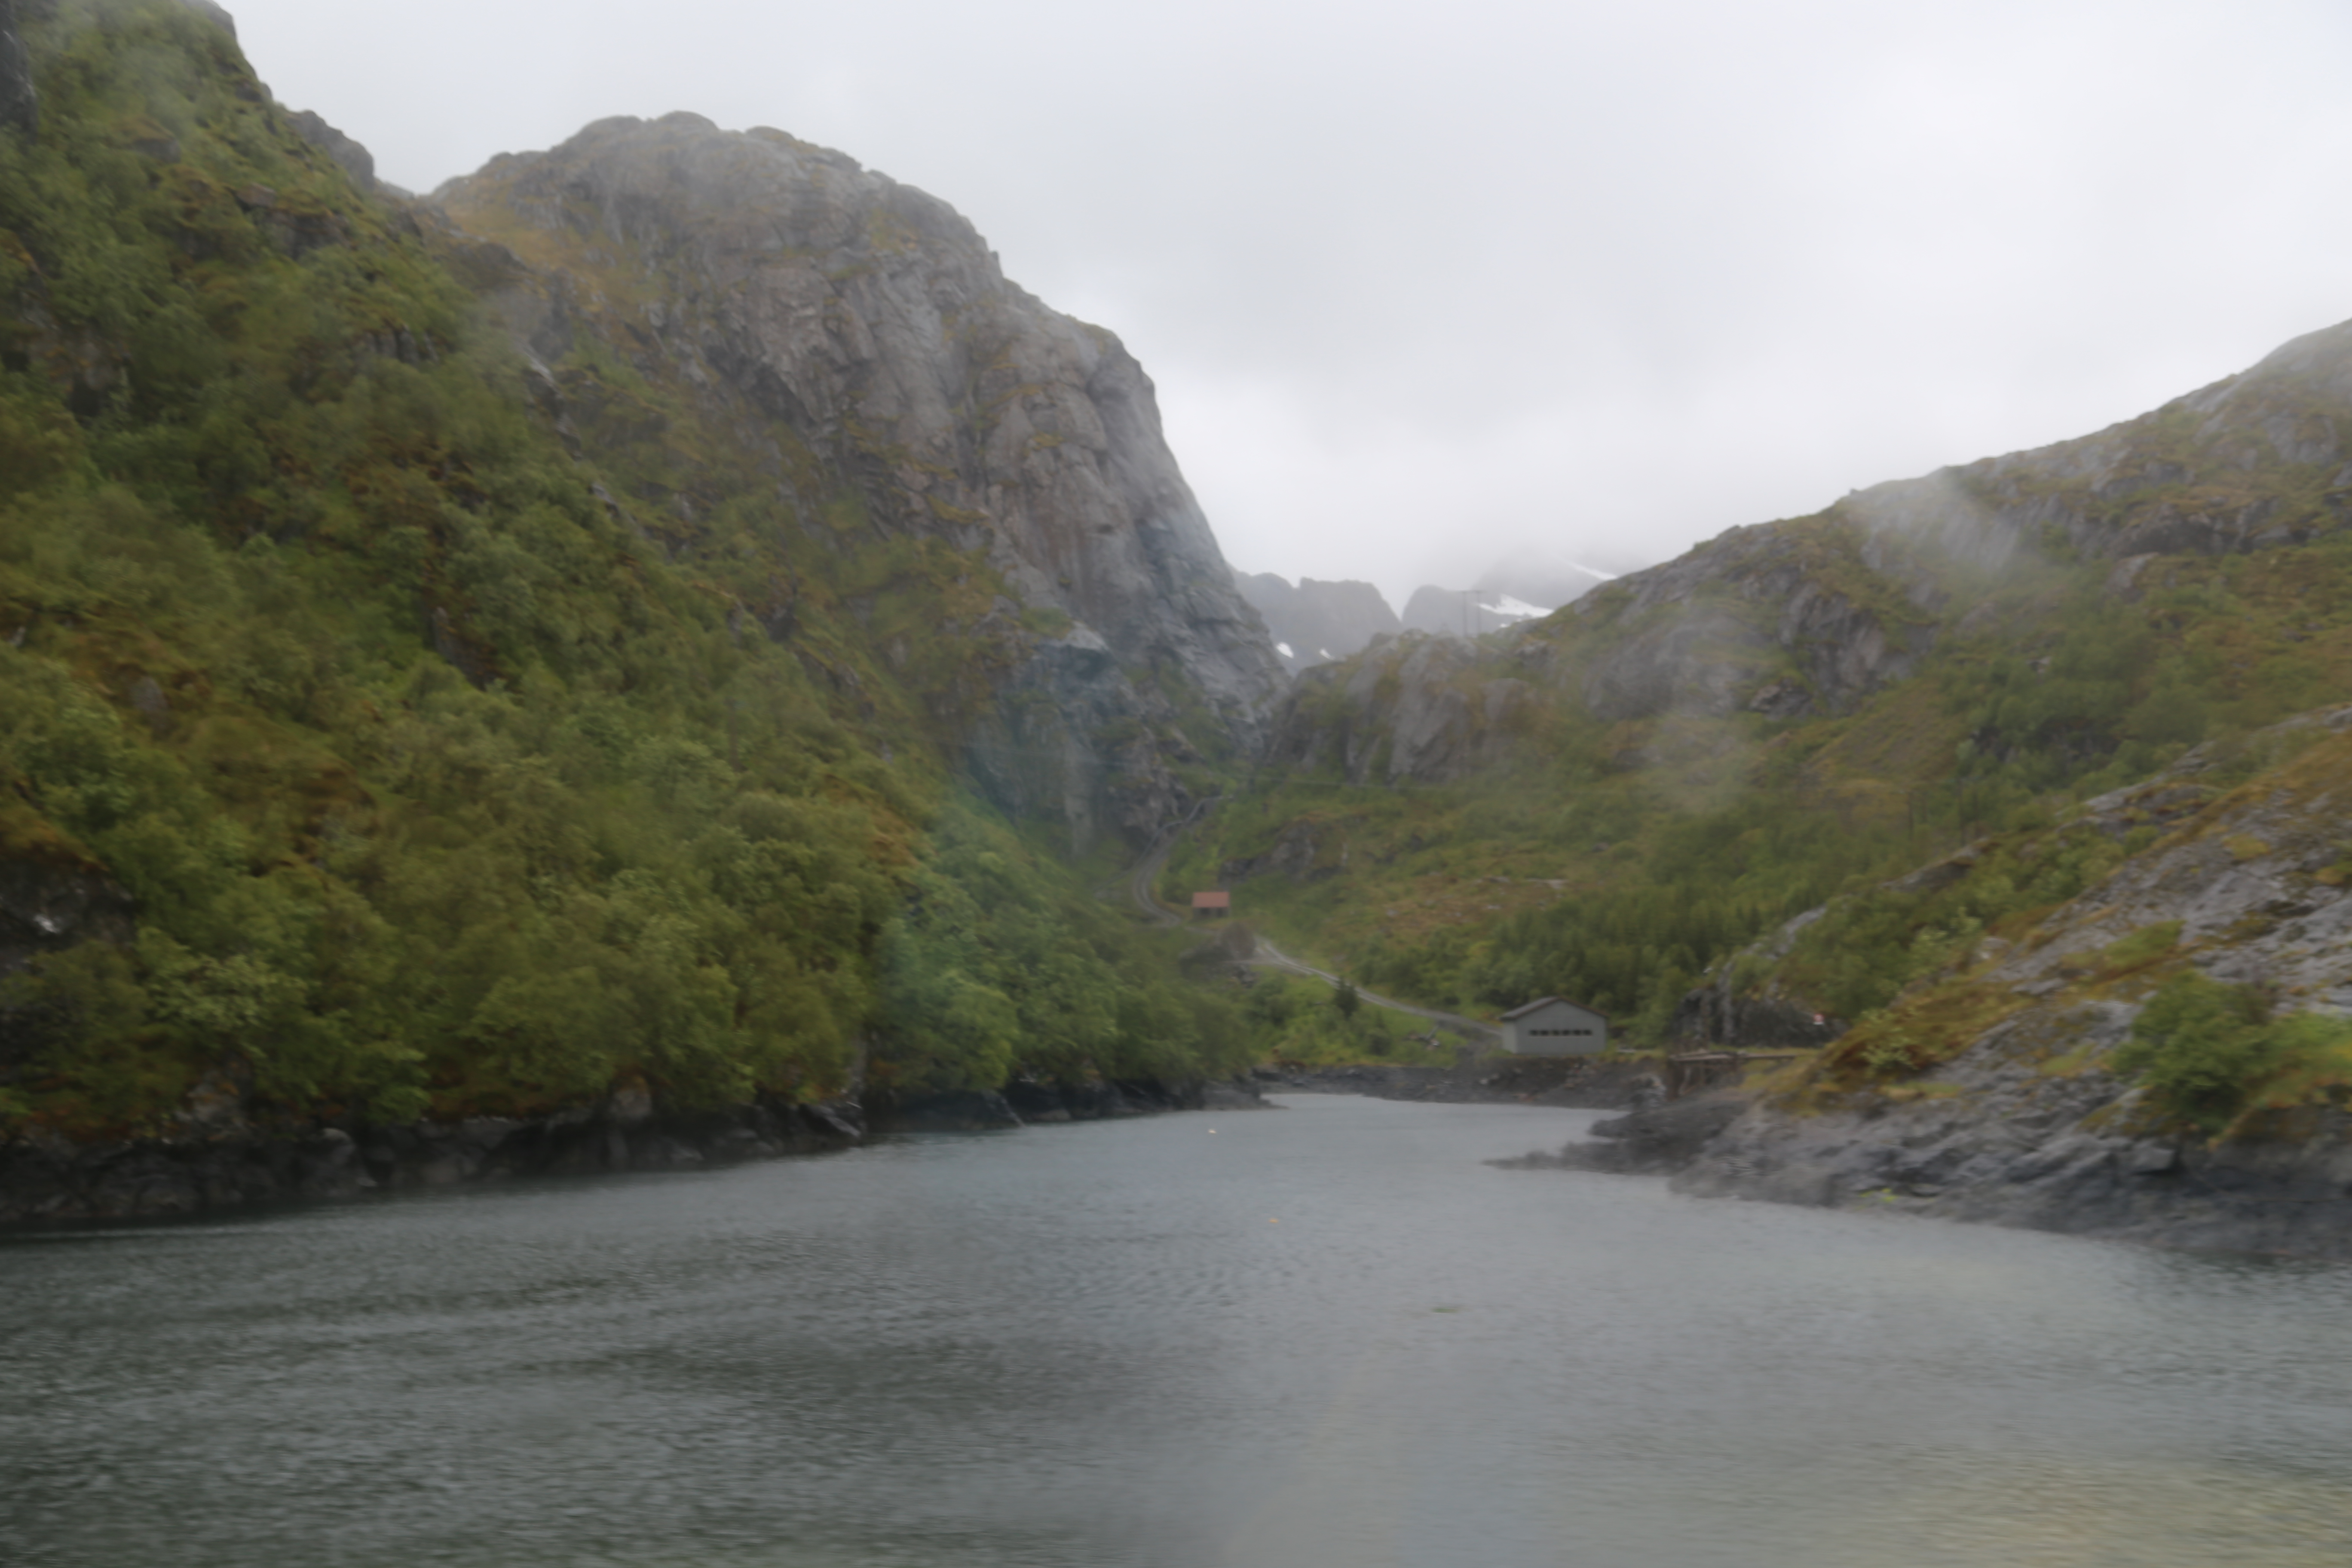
394, 766
2168, 1047
1614, 802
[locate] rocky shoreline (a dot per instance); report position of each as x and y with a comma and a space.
2032, 1165
1493, 1079
228, 1162
52, 1179
222, 1160
2282, 1190
1027, 1102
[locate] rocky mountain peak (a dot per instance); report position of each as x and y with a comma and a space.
355, 160
796, 289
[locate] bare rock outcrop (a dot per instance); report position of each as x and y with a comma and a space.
2021, 1119
1416, 706
356, 161
2000, 1137
799, 290
20, 103
50, 903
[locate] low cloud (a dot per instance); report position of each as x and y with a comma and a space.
1420, 288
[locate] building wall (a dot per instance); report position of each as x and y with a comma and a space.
1562, 1029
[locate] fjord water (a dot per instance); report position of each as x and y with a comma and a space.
1324, 1335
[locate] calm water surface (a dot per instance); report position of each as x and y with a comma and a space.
1323, 1336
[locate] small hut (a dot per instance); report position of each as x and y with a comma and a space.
1211, 906
1553, 1027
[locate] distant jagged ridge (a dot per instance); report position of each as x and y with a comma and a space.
1317, 622
1470, 612
1809, 617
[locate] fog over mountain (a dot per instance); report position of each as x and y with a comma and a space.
1418, 290
1315, 622
1469, 612
646, 656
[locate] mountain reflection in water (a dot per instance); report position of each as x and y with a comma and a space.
1324, 1335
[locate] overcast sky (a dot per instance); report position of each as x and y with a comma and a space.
1424, 286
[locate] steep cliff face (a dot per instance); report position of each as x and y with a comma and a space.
20, 104
860, 336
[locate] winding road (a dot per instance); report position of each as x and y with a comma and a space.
1146, 871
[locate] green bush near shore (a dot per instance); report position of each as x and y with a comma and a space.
1298, 1021
2207, 1050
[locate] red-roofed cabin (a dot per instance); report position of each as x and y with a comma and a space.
1209, 906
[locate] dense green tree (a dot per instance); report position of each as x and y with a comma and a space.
433, 784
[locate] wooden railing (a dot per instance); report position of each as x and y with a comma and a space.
1694, 1070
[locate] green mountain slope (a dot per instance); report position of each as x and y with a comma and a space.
2164, 1053
1619, 799
387, 728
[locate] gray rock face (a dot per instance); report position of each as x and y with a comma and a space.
1072, 737
2026, 1125
356, 161
1318, 621
213, 14
1470, 612
1410, 708
1662, 1136
871, 320
2251, 877
47, 908
1757, 618
2003, 1140
20, 105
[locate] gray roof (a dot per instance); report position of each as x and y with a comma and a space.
1527, 1007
